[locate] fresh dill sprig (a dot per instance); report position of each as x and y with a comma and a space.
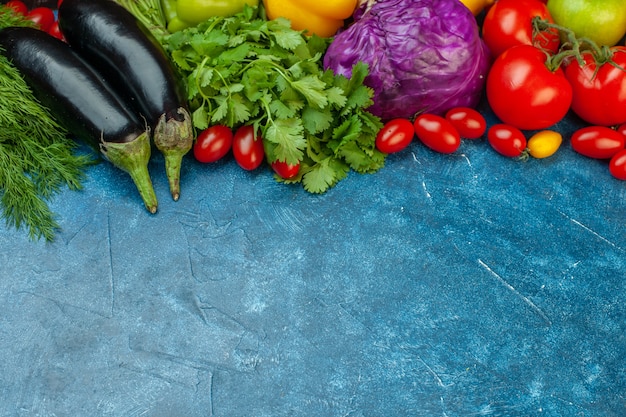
37, 158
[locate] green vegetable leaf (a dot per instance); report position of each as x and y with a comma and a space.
245, 69
316, 121
287, 135
324, 175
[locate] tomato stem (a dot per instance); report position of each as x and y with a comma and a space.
573, 46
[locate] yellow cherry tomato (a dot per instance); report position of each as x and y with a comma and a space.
544, 143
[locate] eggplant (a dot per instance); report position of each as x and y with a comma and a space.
82, 102
124, 51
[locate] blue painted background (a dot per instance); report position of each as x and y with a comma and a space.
443, 285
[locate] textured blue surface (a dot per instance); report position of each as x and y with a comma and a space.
443, 285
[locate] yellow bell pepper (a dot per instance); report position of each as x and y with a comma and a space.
322, 18
477, 6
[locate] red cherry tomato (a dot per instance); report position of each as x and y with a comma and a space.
56, 31
599, 142
285, 170
507, 140
248, 150
18, 6
523, 92
437, 133
213, 143
42, 16
617, 165
467, 121
599, 91
622, 129
395, 135
509, 23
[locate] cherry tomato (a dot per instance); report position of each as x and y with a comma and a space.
617, 165
395, 135
599, 91
622, 129
42, 16
509, 23
437, 133
248, 149
599, 142
56, 31
507, 140
467, 121
213, 143
544, 143
522, 91
18, 6
285, 170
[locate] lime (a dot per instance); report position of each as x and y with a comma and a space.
602, 21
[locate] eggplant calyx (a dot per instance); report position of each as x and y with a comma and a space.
174, 138
133, 157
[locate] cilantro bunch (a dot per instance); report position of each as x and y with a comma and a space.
247, 70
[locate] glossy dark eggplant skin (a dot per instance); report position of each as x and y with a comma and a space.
68, 86
125, 52
82, 102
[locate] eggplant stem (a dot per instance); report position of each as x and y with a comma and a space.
174, 138
133, 157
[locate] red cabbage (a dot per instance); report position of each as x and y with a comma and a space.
423, 56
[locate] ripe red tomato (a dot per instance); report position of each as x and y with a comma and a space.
19, 6
42, 16
622, 129
467, 121
617, 165
285, 170
395, 135
509, 23
248, 150
599, 91
507, 140
599, 142
56, 31
522, 91
213, 143
437, 133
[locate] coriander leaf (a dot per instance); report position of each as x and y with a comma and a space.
285, 37
287, 135
312, 88
358, 98
347, 132
239, 110
305, 114
316, 121
282, 110
362, 161
323, 175
239, 53
200, 118
336, 97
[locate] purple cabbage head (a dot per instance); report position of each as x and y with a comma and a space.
424, 56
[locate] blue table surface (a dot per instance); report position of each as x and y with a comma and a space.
443, 285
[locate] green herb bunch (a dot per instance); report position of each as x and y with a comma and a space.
246, 69
36, 156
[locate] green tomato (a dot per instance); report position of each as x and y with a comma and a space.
602, 21
196, 11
